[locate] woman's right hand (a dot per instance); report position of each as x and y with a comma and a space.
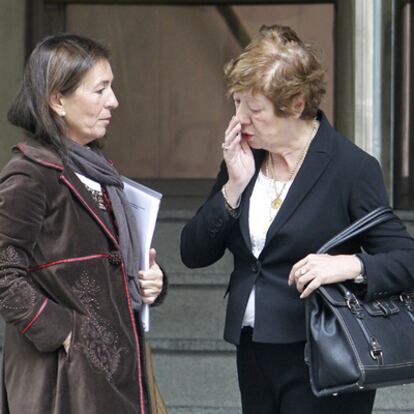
239, 161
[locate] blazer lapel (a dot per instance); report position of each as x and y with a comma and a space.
314, 165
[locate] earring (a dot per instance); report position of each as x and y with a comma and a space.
63, 113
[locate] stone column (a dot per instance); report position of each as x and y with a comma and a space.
12, 46
374, 80
344, 67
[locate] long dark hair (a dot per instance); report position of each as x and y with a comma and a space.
57, 65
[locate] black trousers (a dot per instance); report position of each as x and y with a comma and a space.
274, 379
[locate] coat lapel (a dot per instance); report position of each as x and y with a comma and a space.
79, 191
42, 155
315, 163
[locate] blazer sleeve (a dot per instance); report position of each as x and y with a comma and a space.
388, 249
203, 239
22, 304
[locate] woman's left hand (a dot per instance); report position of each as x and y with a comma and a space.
150, 280
321, 269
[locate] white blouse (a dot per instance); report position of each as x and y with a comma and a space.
261, 215
94, 189
93, 185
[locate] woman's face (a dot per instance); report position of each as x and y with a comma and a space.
260, 127
87, 111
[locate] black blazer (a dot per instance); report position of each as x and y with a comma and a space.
336, 184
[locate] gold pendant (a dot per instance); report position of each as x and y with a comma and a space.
276, 203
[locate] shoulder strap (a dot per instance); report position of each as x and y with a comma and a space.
377, 216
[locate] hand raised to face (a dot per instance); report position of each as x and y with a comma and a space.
238, 157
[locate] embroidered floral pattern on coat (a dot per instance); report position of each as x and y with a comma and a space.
98, 339
16, 293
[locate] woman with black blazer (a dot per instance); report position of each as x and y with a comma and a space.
288, 183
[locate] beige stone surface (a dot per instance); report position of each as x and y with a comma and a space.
12, 19
168, 64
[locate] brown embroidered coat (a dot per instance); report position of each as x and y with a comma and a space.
61, 272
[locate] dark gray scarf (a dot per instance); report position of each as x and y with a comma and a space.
90, 162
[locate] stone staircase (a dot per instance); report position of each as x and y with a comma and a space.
195, 368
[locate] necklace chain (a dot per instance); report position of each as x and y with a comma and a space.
277, 201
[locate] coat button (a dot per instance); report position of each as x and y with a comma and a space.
255, 267
115, 257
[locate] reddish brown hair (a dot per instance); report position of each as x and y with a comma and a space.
278, 65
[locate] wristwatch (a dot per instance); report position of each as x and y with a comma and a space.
362, 277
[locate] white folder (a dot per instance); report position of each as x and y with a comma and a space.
145, 204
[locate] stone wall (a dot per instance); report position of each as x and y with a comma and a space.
12, 48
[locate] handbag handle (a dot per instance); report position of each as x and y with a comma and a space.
377, 216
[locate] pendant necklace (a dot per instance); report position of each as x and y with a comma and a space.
277, 201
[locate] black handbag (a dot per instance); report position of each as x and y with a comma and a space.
353, 344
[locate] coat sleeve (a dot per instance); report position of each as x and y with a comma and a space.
22, 304
203, 239
388, 249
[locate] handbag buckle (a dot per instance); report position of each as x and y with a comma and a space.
387, 308
408, 300
375, 354
376, 350
353, 304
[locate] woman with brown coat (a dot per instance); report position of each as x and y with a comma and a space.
70, 287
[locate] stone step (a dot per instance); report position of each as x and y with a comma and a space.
206, 382
215, 410
237, 410
190, 312
167, 242
190, 345
395, 399
410, 411
197, 380
195, 368
186, 194
204, 410
194, 309
191, 399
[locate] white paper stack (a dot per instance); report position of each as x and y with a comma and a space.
145, 203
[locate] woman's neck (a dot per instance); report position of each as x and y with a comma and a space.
286, 159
